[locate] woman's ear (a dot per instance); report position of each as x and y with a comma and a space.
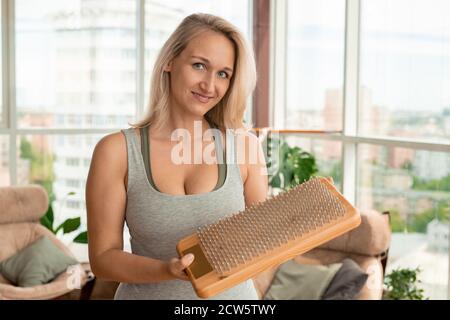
168, 66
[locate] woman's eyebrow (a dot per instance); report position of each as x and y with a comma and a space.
209, 62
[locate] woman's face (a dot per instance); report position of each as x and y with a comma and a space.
200, 75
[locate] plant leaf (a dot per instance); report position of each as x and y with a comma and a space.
275, 181
81, 238
47, 219
46, 223
71, 225
49, 214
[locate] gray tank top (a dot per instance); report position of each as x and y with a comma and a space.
145, 150
157, 221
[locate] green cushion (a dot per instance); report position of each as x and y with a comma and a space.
294, 281
36, 264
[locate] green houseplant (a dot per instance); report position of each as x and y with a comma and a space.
68, 226
291, 167
401, 284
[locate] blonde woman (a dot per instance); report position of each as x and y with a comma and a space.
202, 79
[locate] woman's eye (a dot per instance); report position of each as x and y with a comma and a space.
223, 74
198, 66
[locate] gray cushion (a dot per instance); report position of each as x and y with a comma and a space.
294, 281
36, 264
347, 282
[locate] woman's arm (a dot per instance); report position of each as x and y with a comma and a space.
106, 204
256, 180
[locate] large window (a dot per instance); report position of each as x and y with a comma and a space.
4, 139
2, 105
417, 195
405, 69
315, 64
75, 63
393, 111
404, 73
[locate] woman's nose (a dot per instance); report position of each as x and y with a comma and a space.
207, 84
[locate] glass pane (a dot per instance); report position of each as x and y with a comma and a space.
327, 154
315, 64
4, 161
1, 73
60, 163
75, 63
162, 17
405, 69
418, 197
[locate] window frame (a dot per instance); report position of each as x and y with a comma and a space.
9, 124
349, 136
5, 64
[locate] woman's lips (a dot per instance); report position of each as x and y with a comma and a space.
201, 98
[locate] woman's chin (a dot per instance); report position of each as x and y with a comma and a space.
200, 110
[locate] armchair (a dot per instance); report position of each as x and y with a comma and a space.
21, 207
367, 245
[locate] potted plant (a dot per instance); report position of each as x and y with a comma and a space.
401, 284
292, 167
68, 226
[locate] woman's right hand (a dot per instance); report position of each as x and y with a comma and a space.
177, 266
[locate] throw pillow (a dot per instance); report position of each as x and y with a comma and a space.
294, 281
347, 282
38, 263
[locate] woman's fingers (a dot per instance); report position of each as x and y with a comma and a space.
187, 260
177, 266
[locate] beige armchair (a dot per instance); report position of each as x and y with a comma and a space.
20, 210
367, 245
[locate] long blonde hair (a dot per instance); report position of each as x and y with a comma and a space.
229, 112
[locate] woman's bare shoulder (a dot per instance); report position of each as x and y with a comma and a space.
109, 162
112, 142
111, 150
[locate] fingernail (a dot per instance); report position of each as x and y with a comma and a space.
189, 257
